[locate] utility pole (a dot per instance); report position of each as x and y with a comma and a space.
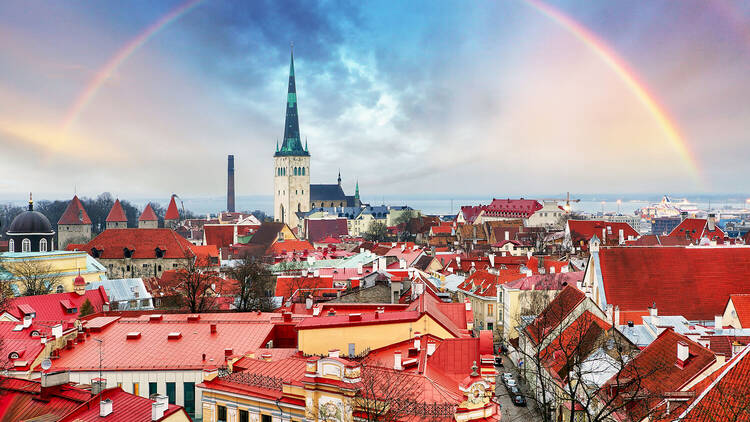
100, 341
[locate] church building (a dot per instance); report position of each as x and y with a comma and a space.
293, 192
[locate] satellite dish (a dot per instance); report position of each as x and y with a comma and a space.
46, 364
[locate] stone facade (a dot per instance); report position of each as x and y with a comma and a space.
117, 225
291, 188
72, 233
133, 268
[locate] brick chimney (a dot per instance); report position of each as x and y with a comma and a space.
105, 408
711, 222
683, 353
397, 361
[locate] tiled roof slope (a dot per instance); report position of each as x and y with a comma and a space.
586, 229
49, 308
742, 308
695, 229
143, 243
126, 407
555, 312
634, 278
319, 229
74, 213
20, 400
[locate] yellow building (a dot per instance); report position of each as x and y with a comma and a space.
62, 266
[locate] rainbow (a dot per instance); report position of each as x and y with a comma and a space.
638, 88
85, 97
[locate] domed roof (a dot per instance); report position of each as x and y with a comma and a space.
30, 222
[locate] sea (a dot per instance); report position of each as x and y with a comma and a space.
447, 204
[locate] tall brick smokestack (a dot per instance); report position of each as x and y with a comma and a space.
230, 183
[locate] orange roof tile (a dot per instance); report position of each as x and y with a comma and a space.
172, 212
116, 214
148, 214
74, 213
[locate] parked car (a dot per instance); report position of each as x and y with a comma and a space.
519, 400
514, 391
507, 376
511, 383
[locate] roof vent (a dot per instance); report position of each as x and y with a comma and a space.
134, 335
174, 335
155, 318
213, 328
410, 363
355, 317
193, 318
228, 351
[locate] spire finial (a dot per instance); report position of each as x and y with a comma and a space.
306, 150
339, 177
31, 203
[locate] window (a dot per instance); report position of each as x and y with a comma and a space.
265, 418
221, 414
189, 395
136, 389
489, 326
11, 245
244, 416
152, 389
490, 309
171, 394
59, 289
159, 268
119, 384
26, 245
43, 245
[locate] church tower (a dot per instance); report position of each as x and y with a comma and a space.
291, 180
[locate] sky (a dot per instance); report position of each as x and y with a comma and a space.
410, 98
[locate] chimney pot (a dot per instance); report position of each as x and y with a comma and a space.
397, 361
213, 328
683, 352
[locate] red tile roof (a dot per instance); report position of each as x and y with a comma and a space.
117, 214
608, 232
74, 213
288, 285
741, 304
142, 242
319, 229
219, 235
240, 332
172, 213
126, 407
51, 308
512, 207
695, 229
484, 283
724, 396
206, 256
723, 345
21, 400
556, 311
148, 214
574, 342
471, 212
634, 278
289, 246
657, 371
546, 281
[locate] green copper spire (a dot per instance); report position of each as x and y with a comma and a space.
292, 145
356, 190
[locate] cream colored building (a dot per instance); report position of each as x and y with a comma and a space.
62, 265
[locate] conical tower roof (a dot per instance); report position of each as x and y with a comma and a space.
116, 214
172, 212
74, 213
148, 214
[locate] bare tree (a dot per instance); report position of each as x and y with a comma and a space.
582, 366
255, 283
195, 285
34, 277
376, 231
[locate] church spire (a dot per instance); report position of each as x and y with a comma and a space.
339, 177
356, 190
292, 145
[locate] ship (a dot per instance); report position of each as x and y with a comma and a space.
668, 207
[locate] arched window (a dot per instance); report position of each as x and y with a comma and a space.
303, 171
11, 245
299, 207
26, 245
43, 245
59, 289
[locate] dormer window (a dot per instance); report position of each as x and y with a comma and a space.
96, 253
159, 253
13, 355
128, 253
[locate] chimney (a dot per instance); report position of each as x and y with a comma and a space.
105, 408
653, 311
621, 233
266, 357
402, 263
507, 235
397, 361
458, 260
551, 270
431, 346
492, 259
309, 302
158, 407
468, 304
711, 222
213, 328
718, 322
683, 215
230, 183
334, 353
683, 353
97, 385
417, 340
27, 320
617, 315
360, 269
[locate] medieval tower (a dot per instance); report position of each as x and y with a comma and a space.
291, 164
